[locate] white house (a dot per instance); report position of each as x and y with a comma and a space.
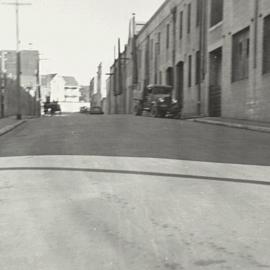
65, 90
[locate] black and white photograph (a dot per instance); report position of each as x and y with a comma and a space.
134, 134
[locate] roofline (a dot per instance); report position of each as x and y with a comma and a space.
153, 16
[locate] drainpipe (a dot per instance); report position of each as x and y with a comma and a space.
255, 51
201, 51
173, 12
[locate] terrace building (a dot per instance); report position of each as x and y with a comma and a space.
214, 53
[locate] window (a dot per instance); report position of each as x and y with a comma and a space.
216, 12
181, 25
247, 51
240, 55
199, 12
151, 48
189, 71
158, 44
266, 45
139, 54
170, 76
189, 18
198, 61
168, 36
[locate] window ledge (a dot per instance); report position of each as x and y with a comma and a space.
212, 28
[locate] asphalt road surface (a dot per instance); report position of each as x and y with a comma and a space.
136, 137
122, 192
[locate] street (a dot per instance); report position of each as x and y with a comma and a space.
124, 192
119, 135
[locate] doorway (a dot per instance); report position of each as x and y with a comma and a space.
215, 83
180, 83
169, 76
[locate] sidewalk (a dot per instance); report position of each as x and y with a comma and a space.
9, 123
235, 123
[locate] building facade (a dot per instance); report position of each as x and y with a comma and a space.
214, 53
29, 82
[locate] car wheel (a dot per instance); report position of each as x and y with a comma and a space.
154, 111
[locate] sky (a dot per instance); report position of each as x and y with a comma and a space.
73, 36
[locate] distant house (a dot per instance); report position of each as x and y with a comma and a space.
46, 86
63, 89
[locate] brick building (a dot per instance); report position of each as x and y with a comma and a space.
214, 53
29, 81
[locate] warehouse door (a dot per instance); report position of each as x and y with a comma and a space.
180, 82
215, 83
169, 76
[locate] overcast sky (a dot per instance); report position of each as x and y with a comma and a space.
74, 35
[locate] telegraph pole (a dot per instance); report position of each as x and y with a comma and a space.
17, 4
119, 68
38, 91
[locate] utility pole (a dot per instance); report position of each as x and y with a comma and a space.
119, 69
38, 91
99, 82
17, 4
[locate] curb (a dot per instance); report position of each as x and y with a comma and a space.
11, 127
233, 125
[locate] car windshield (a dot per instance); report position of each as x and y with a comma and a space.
161, 91
135, 135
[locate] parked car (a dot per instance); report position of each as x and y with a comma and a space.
96, 110
84, 109
157, 99
51, 108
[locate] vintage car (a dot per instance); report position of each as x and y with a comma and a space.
96, 110
84, 109
50, 108
157, 99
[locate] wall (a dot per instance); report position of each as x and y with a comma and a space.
248, 98
153, 69
28, 104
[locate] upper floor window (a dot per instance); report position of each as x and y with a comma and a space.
151, 48
139, 57
266, 45
189, 71
199, 12
198, 67
158, 44
168, 36
216, 12
181, 25
189, 18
